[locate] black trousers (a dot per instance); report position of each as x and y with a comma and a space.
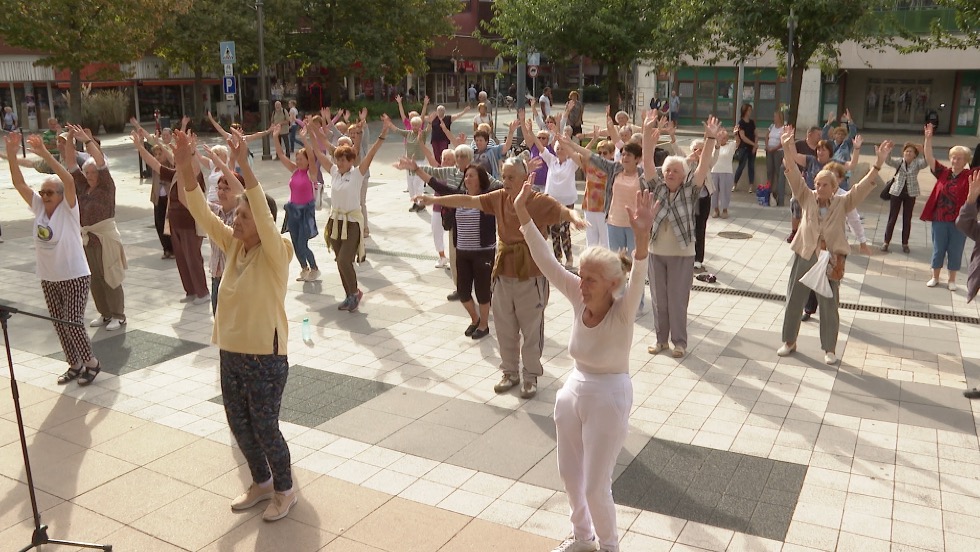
701, 227
473, 271
904, 203
159, 218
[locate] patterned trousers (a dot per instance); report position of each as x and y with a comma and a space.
252, 386
66, 301
561, 239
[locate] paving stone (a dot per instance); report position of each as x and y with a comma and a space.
134, 350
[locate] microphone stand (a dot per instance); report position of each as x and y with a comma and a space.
40, 536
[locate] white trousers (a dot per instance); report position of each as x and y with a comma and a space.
592, 418
596, 232
438, 234
415, 186
853, 220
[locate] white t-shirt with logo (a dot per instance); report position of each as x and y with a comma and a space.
58, 242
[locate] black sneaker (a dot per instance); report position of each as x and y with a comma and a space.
454, 296
972, 393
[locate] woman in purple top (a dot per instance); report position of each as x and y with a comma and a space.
301, 208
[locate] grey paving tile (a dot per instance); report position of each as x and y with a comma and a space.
429, 440
134, 350
466, 415
933, 395
786, 476
971, 368
697, 505
545, 473
364, 424
938, 346
862, 406
937, 417
520, 435
869, 386
406, 402
733, 512
770, 521
762, 344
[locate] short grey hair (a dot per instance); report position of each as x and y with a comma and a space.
90, 162
677, 160
518, 163
464, 151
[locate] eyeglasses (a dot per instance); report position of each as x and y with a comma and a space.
46, 193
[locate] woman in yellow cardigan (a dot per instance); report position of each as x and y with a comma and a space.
251, 329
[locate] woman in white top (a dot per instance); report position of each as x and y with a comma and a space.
560, 185
774, 159
722, 177
61, 263
482, 118
592, 409
345, 228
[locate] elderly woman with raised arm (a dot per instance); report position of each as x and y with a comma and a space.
345, 228
61, 263
942, 207
251, 330
593, 406
96, 192
821, 227
903, 191
301, 208
673, 241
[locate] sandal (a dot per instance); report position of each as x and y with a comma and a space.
471, 328
88, 376
70, 375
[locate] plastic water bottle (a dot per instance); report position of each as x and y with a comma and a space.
307, 331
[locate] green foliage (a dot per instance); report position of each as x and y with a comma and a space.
380, 37
966, 32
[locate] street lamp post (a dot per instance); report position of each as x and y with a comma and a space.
263, 84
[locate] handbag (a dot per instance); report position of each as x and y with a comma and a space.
835, 268
886, 193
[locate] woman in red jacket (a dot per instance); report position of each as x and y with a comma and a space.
942, 208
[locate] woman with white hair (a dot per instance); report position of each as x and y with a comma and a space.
593, 406
943, 206
61, 263
441, 125
96, 192
415, 138
821, 228
674, 234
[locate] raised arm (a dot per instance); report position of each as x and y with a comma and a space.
466, 109
184, 121
90, 146
455, 200
36, 146
401, 108
320, 155
217, 127
856, 154
283, 158
366, 162
12, 141
793, 175
530, 137
228, 173
651, 134
147, 157
425, 107
859, 191
711, 128
510, 135
927, 146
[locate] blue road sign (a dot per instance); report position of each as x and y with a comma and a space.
229, 85
227, 52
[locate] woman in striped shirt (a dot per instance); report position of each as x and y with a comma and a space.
904, 190
475, 237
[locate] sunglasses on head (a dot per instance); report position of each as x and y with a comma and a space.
46, 193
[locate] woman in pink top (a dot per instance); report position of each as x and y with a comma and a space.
301, 208
592, 409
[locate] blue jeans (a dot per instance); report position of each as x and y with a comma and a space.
621, 238
748, 158
948, 243
292, 138
300, 236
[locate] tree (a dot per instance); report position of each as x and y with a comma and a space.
613, 33
747, 28
371, 38
964, 32
74, 33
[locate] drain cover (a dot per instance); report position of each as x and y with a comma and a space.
735, 235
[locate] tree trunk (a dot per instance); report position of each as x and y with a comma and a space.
197, 115
75, 96
335, 90
614, 90
796, 85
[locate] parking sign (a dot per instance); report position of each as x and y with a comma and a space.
229, 85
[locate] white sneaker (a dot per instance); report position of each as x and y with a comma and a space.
443, 262
114, 324
256, 493
698, 266
932, 282
952, 286
202, 300
830, 358
188, 298
572, 545
313, 275
786, 350
302, 275
98, 322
